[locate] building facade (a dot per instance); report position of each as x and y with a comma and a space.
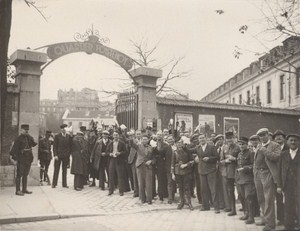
272, 81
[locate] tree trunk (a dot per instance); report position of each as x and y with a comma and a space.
5, 25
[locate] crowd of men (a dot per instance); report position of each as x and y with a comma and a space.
262, 169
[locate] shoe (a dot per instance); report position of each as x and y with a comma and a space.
27, 192
49, 183
227, 210
78, 189
92, 185
204, 209
121, 194
267, 228
102, 188
53, 186
19, 193
232, 213
180, 206
170, 202
110, 193
66, 186
245, 217
191, 207
135, 195
161, 199
260, 223
149, 202
249, 221
217, 211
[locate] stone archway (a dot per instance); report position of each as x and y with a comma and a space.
29, 67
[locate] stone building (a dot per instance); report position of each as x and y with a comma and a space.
271, 81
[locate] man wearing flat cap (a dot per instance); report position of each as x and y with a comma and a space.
266, 174
279, 137
61, 152
21, 152
289, 183
229, 158
245, 180
45, 156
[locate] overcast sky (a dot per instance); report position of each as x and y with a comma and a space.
184, 28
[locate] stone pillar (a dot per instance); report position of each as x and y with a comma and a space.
28, 72
146, 79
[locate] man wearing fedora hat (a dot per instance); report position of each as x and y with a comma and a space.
289, 183
244, 179
61, 152
266, 174
279, 137
21, 152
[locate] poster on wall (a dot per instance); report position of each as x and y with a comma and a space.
183, 122
232, 124
206, 124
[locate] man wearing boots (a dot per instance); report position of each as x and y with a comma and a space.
21, 152
45, 156
245, 179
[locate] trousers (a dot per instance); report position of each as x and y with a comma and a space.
144, 174
22, 172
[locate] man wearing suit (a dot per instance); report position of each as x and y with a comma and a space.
117, 160
279, 137
266, 174
132, 160
61, 151
99, 158
144, 167
230, 155
289, 183
207, 158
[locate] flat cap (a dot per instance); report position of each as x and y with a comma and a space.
293, 135
244, 140
82, 128
63, 126
278, 133
229, 134
105, 132
25, 126
219, 136
262, 130
254, 137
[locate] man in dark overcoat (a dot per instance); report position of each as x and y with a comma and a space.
61, 152
80, 160
21, 152
289, 183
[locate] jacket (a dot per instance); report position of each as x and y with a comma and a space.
21, 150
144, 153
44, 149
210, 151
121, 148
245, 161
80, 156
62, 146
96, 155
179, 157
230, 167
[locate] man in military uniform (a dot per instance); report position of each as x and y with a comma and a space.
21, 152
45, 156
245, 179
266, 174
229, 159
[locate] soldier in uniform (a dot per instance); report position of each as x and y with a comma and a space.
181, 169
45, 156
230, 155
245, 179
266, 174
21, 152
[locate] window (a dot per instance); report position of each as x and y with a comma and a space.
233, 100
298, 81
248, 98
269, 92
257, 95
240, 99
282, 87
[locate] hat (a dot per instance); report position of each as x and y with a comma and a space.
63, 126
219, 136
278, 133
254, 137
229, 134
194, 137
25, 126
105, 132
262, 130
130, 133
48, 131
244, 140
293, 135
123, 127
82, 128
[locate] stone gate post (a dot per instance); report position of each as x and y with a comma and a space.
28, 72
146, 79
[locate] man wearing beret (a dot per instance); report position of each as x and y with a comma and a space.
228, 159
45, 156
279, 137
244, 179
289, 183
61, 152
21, 152
266, 174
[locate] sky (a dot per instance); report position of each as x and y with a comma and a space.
191, 29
